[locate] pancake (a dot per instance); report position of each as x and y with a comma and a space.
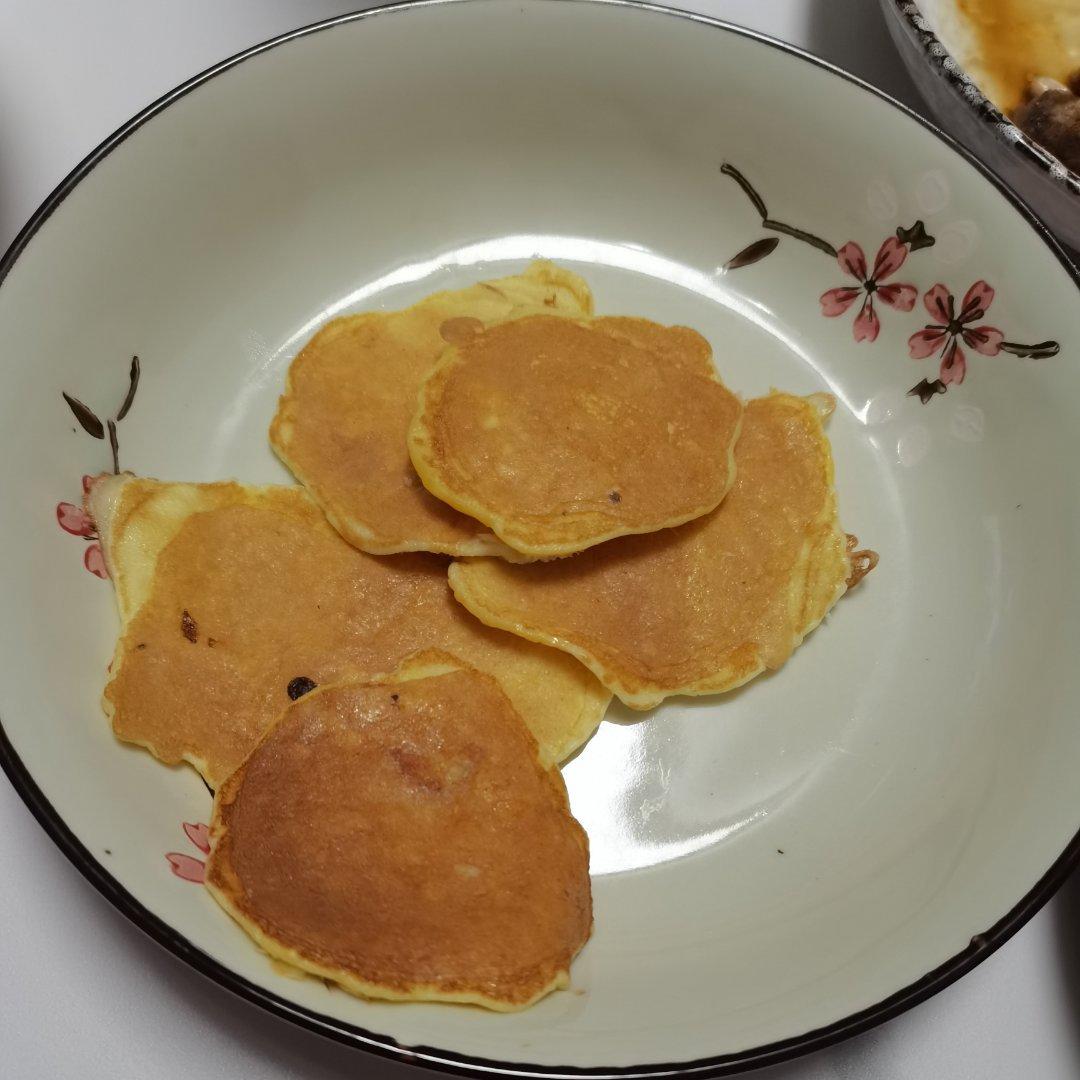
560, 434
342, 422
231, 595
705, 607
402, 838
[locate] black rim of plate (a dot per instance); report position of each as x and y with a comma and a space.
980, 946
939, 58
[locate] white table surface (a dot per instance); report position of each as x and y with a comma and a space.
83, 994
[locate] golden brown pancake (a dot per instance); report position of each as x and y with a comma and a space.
229, 594
342, 422
702, 608
560, 434
403, 838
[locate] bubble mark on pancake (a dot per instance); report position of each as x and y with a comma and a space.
188, 627
460, 329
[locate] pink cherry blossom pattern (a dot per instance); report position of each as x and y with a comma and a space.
94, 561
199, 835
943, 337
852, 260
186, 867
74, 519
951, 327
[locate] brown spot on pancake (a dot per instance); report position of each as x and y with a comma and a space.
300, 686
415, 768
188, 627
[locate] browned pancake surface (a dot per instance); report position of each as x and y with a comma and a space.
560, 434
704, 607
404, 839
257, 591
342, 422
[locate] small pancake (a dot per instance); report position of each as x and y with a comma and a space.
342, 422
560, 434
702, 608
230, 594
402, 838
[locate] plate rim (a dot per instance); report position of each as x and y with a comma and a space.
978, 949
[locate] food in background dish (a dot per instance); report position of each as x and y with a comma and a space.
1026, 56
1051, 116
403, 838
560, 434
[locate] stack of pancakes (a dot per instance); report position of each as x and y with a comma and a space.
509, 509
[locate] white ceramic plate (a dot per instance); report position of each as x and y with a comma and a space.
776, 868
